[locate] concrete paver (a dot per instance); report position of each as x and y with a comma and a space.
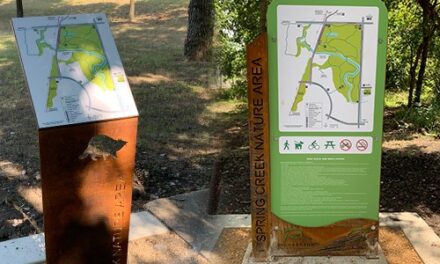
186, 215
183, 220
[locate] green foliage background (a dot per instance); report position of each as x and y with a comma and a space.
238, 24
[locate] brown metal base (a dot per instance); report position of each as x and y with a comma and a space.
356, 237
87, 203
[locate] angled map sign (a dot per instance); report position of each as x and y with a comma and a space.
327, 76
73, 69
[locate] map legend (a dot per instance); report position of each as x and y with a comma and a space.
326, 145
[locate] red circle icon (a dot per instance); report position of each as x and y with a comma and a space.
362, 145
345, 145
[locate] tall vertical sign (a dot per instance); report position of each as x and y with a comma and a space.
258, 99
327, 76
326, 93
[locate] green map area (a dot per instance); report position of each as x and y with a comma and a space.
302, 43
341, 43
85, 48
41, 43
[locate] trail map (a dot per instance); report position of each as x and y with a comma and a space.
327, 59
73, 69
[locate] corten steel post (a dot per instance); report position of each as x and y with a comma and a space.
258, 98
87, 203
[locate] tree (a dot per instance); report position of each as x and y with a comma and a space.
430, 26
132, 12
240, 22
200, 29
412, 42
20, 12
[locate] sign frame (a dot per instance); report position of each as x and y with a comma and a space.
348, 236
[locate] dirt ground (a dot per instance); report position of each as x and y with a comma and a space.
233, 242
397, 249
410, 179
168, 248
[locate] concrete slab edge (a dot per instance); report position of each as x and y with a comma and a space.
425, 242
31, 249
317, 260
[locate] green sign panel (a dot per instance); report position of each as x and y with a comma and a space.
327, 76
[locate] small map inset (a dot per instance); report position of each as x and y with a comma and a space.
73, 69
327, 68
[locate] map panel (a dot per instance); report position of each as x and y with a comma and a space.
326, 69
73, 69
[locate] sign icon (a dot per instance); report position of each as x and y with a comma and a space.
314, 146
299, 145
330, 144
286, 145
345, 145
362, 145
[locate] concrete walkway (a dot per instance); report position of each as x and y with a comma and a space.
31, 249
181, 222
186, 215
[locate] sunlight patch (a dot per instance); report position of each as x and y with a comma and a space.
148, 78
33, 196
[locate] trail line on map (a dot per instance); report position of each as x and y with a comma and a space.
317, 44
360, 75
332, 23
345, 123
73, 80
96, 28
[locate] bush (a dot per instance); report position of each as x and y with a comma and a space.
422, 118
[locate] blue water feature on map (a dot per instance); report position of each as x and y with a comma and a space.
332, 34
102, 58
41, 40
348, 74
303, 40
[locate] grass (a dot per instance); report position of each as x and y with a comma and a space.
396, 99
182, 120
423, 119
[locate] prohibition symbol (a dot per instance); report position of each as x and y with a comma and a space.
345, 145
362, 145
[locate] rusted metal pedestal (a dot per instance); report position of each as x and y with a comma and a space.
87, 203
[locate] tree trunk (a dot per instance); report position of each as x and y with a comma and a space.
132, 12
263, 12
200, 29
412, 75
429, 27
20, 12
420, 78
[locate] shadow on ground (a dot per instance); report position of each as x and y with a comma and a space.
181, 132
